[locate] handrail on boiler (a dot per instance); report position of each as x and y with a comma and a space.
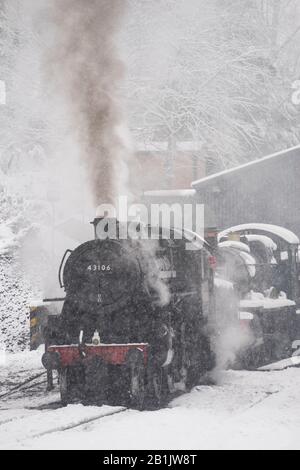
61, 266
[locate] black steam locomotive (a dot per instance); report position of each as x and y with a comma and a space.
134, 324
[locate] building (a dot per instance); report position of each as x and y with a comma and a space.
263, 191
157, 166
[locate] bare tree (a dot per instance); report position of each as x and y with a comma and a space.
223, 81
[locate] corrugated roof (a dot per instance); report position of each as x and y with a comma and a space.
233, 171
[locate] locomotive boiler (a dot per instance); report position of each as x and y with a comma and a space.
134, 327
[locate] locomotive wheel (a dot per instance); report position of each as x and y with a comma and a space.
136, 369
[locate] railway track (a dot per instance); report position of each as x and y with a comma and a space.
24, 385
26, 393
28, 412
82, 422
14, 426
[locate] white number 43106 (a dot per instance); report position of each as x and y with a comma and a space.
99, 267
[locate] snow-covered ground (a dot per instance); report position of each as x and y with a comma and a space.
248, 410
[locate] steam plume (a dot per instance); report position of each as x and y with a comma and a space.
88, 72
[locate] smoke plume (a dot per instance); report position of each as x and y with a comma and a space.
88, 72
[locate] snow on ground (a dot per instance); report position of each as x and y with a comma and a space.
248, 410
40, 423
23, 361
17, 367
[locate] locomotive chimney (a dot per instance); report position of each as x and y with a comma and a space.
105, 226
96, 221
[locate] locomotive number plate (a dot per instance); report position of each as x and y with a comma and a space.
99, 267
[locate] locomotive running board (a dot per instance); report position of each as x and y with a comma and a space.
281, 365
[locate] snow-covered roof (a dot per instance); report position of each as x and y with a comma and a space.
259, 300
249, 303
266, 241
280, 232
267, 304
236, 245
233, 171
35, 303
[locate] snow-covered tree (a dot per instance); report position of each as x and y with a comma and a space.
216, 72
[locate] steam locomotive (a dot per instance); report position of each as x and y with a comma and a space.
134, 327
260, 262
